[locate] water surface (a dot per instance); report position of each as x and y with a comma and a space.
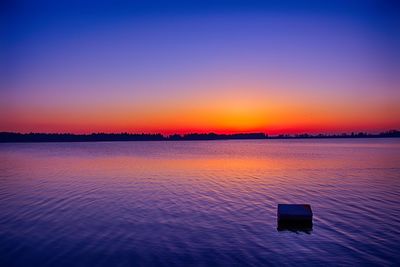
202, 203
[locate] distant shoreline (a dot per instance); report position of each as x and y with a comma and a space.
11, 137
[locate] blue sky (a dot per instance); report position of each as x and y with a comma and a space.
148, 58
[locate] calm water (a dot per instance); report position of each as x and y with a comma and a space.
198, 203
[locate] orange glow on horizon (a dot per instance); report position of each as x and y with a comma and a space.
226, 111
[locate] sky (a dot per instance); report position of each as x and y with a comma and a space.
199, 66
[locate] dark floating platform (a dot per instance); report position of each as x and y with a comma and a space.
295, 217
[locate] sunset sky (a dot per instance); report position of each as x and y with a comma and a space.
199, 66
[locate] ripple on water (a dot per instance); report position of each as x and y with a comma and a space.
198, 203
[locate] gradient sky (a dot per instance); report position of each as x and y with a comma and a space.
199, 66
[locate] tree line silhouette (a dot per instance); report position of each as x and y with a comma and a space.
6, 137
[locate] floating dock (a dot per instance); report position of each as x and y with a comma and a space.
295, 217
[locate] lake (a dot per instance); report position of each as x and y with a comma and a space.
199, 203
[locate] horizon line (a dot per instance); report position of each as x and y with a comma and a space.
305, 133
336, 133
